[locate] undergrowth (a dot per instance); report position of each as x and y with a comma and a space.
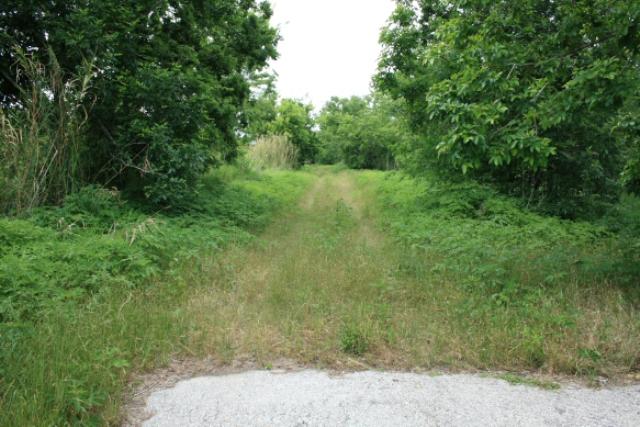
91, 290
517, 290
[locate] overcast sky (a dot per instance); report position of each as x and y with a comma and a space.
329, 47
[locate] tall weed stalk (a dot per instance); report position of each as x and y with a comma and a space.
41, 135
273, 152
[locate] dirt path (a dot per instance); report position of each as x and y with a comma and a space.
323, 288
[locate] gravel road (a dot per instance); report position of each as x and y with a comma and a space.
314, 398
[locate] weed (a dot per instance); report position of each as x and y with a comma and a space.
117, 272
42, 143
353, 340
490, 286
523, 380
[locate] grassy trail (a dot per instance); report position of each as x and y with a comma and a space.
325, 285
313, 288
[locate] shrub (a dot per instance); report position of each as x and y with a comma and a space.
96, 241
361, 132
491, 244
530, 95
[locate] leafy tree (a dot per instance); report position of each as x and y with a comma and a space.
523, 93
170, 80
260, 110
361, 132
627, 130
336, 117
294, 120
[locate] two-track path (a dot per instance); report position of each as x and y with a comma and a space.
319, 273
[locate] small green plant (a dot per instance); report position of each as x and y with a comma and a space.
353, 339
343, 214
105, 268
535, 382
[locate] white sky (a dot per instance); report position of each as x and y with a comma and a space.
328, 47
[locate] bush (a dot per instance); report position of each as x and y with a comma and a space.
295, 120
361, 132
536, 97
167, 89
492, 244
353, 340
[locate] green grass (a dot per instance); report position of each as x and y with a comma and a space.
367, 269
94, 290
513, 289
534, 382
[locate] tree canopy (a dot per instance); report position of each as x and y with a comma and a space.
533, 95
362, 132
170, 79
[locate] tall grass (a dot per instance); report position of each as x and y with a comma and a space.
273, 152
41, 135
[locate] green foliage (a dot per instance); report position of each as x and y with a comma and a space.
170, 81
96, 241
525, 94
521, 380
41, 143
624, 220
361, 132
294, 120
353, 340
79, 283
261, 109
500, 270
627, 130
266, 117
491, 245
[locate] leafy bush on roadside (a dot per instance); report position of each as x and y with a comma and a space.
490, 242
96, 241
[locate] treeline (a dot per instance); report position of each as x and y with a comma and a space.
536, 97
360, 132
143, 95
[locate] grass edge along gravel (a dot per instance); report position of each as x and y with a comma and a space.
516, 290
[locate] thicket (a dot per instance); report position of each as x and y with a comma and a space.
537, 97
362, 133
96, 241
91, 290
168, 81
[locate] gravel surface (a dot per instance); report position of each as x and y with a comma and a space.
314, 398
